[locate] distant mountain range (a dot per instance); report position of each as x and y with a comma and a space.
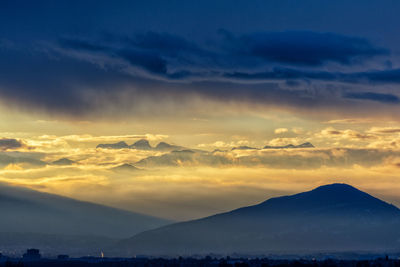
141, 144
181, 156
162, 146
331, 218
304, 145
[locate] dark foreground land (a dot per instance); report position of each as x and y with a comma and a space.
182, 262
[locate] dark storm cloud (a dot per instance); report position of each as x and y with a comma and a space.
159, 52
286, 74
56, 83
386, 76
69, 85
82, 75
150, 51
384, 98
301, 47
144, 59
290, 74
80, 44
165, 43
148, 61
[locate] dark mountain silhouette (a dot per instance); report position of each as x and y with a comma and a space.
219, 151
162, 146
142, 144
24, 210
125, 168
304, 145
63, 161
335, 217
118, 145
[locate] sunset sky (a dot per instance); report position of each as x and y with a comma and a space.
204, 75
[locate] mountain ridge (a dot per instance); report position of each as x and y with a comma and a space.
303, 145
142, 144
329, 218
26, 210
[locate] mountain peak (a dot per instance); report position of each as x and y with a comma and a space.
125, 167
63, 161
142, 144
118, 145
303, 145
163, 146
336, 186
333, 217
339, 190
332, 199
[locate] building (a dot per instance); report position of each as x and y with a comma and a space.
32, 254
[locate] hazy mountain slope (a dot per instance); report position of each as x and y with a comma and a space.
7, 158
184, 158
24, 210
244, 148
335, 217
304, 145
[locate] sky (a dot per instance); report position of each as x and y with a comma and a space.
209, 77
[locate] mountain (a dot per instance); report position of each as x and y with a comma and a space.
304, 145
142, 144
331, 218
24, 210
118, 145
63, 161
244, 148
162, 146
7, 158
125, 168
